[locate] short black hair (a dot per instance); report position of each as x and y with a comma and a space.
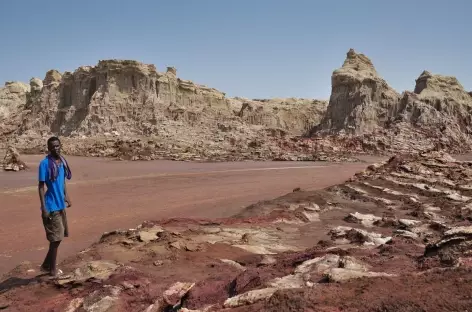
52, 139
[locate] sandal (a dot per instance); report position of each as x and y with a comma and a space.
60, 276
44, 270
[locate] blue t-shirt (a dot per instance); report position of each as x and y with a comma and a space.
54, 199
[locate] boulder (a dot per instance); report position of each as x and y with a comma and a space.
150, 234
102, 300
74, 305
359, 236
364, 219
12, 160
173, 295
36, 85
249, 297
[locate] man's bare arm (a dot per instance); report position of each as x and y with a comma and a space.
41, 199
66, 194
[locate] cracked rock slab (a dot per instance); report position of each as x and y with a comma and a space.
249, 297
100, 270
340, 274
359, 236
366, 220
149, 235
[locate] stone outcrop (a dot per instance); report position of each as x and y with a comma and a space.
366, 115
13, 97
360, 99
439, 109
12, 160
455, 243
438, 102
134, 98
293, 115
122, 96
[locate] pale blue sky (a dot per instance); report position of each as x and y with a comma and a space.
250, 48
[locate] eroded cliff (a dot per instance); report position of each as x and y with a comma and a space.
129, 109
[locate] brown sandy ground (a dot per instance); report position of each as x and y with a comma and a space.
394, 237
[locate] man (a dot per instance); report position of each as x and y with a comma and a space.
53, 171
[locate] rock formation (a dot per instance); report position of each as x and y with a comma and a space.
121, 96
133, 98
440, 99
12, 160
441, 109
105, 110
13, 97
366, 115
294, 115
360, 99
129, 110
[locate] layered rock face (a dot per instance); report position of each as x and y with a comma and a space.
129, 109
441, 109
294, 115
122, 96
125, 96
440, 99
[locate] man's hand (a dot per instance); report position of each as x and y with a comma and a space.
44, 213
68, 202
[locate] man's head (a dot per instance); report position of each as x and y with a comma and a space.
54, 146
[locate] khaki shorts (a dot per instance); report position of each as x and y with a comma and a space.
56, 226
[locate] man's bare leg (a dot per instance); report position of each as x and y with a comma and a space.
52, 261
45, 265
49, 263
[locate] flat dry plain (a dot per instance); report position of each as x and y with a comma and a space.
109, 194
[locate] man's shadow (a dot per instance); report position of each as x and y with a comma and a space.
14, 282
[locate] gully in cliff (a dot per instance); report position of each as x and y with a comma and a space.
53, 171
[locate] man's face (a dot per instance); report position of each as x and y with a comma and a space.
54, 148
